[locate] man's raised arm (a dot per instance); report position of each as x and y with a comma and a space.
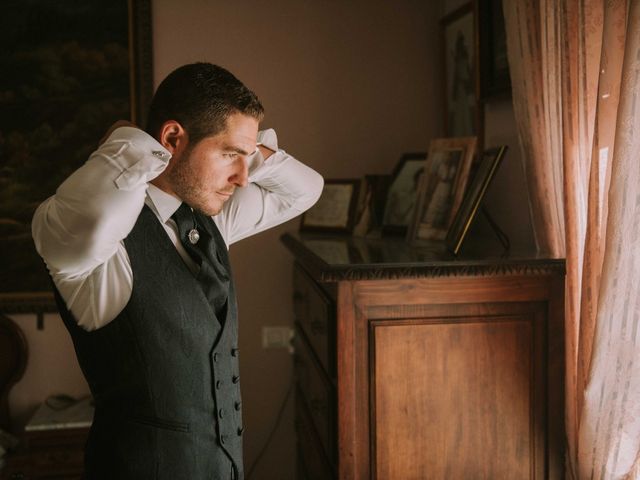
280, 189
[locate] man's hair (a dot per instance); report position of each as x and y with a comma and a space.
201, 96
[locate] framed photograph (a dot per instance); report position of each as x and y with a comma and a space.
64, 82
443, 184
372, 197
401, 196
466, 214
463, 109
335, 210
495, 80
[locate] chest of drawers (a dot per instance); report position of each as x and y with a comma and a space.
418, 365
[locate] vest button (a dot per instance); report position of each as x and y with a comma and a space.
223, 438
221, 413
218, 384
235, 378
234, 352
215, 357
236, 405
240, 430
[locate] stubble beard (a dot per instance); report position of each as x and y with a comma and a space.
185, 184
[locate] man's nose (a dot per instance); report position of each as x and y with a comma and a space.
240, 177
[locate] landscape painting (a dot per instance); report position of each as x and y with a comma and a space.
67, 76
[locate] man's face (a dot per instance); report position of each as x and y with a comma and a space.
207, 173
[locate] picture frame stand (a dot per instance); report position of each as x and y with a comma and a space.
502, 237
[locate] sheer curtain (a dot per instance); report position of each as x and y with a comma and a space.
575, 68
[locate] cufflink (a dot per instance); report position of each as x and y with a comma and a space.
158, 153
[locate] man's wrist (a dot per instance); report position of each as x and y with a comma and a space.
114, 127
265, 151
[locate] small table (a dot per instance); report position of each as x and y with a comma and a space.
53, 444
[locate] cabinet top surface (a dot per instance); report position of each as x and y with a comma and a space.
335, 258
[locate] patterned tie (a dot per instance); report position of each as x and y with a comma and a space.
200, 244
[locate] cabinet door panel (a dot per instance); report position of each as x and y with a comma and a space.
456, 398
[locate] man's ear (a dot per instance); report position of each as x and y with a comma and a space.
173, 137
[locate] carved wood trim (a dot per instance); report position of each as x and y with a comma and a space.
323, 272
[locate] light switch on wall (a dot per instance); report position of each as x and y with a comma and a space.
277, 337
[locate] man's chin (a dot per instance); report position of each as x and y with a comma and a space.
208, 206
212, 210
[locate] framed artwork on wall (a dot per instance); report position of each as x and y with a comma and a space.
335, 210
495, 80
65, 81
441, 188
463, 109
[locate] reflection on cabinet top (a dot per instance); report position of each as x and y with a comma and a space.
333, 258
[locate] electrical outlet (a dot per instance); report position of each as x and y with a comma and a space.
276, 337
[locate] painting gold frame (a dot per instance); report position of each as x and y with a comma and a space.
441, 188
335, 210
466, 214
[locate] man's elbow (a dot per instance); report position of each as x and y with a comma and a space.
314, 191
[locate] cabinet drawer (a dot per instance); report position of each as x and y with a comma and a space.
313, 462
315, 312
319, 396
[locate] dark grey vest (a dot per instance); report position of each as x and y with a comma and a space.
164, 374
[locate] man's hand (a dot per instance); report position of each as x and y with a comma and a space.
118, 124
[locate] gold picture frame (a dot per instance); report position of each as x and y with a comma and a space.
441, 188
402, 193
466, 214
335, 210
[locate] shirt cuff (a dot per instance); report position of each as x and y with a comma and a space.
141, 139
141, 157
268, 138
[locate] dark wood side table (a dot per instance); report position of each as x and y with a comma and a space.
48, 454
53, 443
410, 363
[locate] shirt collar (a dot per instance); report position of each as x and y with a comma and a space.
162, 203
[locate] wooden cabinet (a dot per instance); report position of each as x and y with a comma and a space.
48, 454
429, 368
315, 373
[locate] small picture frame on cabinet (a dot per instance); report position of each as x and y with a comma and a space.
441, 188
468, 210
371, 202
401, 194
335, 211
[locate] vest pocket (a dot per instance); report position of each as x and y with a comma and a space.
160, 423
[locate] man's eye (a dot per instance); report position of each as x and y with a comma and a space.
230, 155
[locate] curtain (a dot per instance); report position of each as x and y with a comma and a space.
575, 67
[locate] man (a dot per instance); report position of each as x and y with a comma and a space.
136, 244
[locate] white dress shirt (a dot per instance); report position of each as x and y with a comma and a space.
80, 231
